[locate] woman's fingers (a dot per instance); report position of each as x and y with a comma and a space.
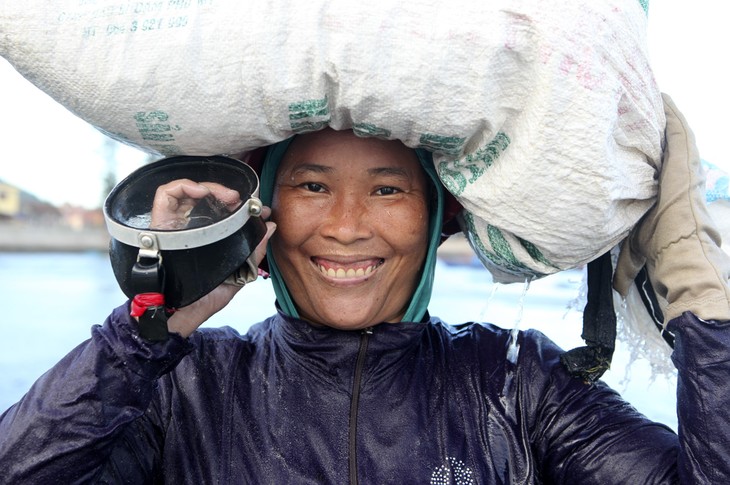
189, 318
229, 198
175, 201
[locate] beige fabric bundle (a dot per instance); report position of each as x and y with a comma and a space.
677, 239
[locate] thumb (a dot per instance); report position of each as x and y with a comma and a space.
260, 251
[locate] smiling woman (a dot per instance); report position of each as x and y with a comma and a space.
353, 227
351, 380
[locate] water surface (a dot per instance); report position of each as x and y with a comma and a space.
49, 301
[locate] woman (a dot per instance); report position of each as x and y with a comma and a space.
352, 380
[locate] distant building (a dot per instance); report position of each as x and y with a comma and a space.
20, 205
79, 218
28, 223
37, 211
9, 201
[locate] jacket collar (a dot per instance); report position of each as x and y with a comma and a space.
331, 353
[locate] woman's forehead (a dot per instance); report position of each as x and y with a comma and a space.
330, 148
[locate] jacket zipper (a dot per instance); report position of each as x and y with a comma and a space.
355, 402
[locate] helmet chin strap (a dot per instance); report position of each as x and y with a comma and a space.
147, 280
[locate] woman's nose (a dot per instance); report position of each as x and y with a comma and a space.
347, 220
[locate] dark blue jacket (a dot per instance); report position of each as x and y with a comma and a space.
290, 403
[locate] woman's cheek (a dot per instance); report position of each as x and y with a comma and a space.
412, 220
296, 222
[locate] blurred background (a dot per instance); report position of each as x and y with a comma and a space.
55, 278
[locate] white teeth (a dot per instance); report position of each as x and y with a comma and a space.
350, 273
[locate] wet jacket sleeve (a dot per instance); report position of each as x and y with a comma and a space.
702, 357
588, 434
90, 415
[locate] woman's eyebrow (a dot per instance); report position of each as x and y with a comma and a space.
311, 167
389, 171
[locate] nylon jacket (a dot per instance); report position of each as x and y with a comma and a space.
398, 403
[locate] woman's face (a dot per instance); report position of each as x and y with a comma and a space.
352, 217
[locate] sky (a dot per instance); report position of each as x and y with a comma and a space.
61, 159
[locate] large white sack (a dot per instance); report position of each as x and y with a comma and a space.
544, 117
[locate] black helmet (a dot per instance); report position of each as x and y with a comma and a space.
187, 261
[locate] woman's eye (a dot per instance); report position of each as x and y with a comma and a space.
313, 187
387, 191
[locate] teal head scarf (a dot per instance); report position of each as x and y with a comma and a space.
422, 295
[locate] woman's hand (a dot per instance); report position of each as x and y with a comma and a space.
187, 319
175, 203
176, 206
677, 239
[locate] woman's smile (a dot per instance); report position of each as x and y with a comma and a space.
347, 268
